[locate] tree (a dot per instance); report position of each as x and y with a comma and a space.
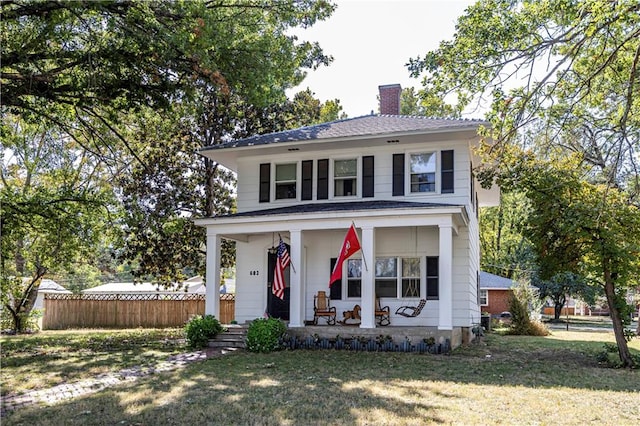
62, 61
410, 103
572, 70
107, 73
331, 110
505, 249
564, 285
162, 198
558, 76
54, 210
579, 226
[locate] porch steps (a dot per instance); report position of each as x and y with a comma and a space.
233, 338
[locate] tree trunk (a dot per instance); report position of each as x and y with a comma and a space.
557, 310
23, 306
616, 318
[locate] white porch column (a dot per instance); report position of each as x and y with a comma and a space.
296, 283
368, 291
445, 272
212, 299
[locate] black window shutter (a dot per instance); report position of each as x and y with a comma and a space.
471, 182
446, 172
432, 278
307, 179
335, 292
323, 179
265, 185
367, 176
398, 174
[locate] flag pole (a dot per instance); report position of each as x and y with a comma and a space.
290, 262
362, 251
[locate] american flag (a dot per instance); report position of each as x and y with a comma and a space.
282, 262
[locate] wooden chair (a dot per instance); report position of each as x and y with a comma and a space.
322, 308
383, 314
411, 311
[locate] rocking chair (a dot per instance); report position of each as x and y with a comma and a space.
411, 311
383, 314
322, 308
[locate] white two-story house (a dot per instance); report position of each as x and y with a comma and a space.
407, 185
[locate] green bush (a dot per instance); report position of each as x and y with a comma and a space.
200, 329
264, 334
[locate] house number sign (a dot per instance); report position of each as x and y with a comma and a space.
254, 272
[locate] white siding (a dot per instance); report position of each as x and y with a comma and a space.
248, 174
321, 245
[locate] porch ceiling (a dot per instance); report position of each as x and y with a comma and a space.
325, 216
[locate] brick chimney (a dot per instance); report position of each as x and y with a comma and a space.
390, 99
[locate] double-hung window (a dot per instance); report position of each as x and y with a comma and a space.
285, 181
386, 277
345, 177
422, 168
398, 276
484, 297
354, 277
411, 277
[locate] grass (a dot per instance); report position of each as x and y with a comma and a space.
50, 358
581, 321
503, 380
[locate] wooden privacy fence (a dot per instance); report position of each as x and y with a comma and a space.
62, 311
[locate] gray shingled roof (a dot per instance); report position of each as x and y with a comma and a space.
342, 206
368, 125
491, 281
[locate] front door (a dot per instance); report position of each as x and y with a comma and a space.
276, 307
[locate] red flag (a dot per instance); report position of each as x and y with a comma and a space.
350, 245
282, 262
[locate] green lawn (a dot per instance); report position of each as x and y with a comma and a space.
503, 380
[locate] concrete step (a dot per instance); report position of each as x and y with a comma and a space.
233, 337
229, 344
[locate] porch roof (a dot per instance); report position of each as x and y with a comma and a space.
340, 207
336, 215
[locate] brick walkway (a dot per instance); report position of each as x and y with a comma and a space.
67, 391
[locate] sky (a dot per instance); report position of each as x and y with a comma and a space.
371, 41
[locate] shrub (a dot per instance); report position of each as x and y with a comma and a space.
521, 323
200, 329
29, 325
264, 334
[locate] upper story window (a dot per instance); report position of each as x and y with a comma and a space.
285, 182
419, 173
345, 177
422, 168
